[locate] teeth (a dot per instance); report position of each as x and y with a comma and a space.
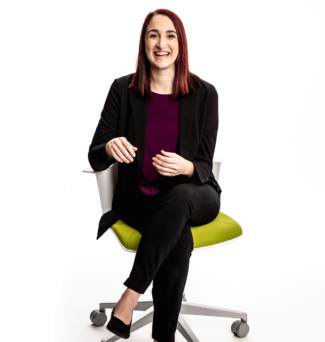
161, 53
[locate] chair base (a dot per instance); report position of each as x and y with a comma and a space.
239, 328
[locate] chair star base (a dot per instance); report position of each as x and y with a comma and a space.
239, 328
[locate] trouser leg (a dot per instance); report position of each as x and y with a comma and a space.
164, 228
170, 279
166, 245
161, 233
168, 287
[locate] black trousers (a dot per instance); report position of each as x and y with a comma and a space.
166, 246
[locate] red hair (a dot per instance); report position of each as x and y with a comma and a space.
184, 80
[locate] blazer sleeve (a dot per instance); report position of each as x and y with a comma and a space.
106, 130
203, 161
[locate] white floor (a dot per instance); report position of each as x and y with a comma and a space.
74, 325
277, 312
282, 294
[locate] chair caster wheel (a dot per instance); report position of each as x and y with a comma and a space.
240, 329
98, 318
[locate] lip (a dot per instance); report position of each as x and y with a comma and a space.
161, 57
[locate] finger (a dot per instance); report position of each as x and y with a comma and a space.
127, 142
129, 148
166, 174
164, 169
168, 153
116, 157
124, 150
165, 159
163, 164
119, 153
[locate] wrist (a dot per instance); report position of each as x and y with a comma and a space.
107, 152
190, 170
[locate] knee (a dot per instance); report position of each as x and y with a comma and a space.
182, 193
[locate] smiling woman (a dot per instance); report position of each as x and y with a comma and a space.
160, 124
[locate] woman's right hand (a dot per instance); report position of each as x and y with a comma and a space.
120, 149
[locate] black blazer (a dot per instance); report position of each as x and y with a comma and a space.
125, 115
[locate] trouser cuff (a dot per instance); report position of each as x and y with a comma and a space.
136, 284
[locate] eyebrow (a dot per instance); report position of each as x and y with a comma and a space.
158, 31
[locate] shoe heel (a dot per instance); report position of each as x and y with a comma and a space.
118, 327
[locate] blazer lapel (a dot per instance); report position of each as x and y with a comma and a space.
139, 109
186, 113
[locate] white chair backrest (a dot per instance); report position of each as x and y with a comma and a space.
107, 180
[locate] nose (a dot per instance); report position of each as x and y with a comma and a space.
161, 42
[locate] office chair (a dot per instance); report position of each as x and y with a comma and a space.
222, 229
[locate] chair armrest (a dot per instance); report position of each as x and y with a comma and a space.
216, 167
218, 159
106, 181
89, 170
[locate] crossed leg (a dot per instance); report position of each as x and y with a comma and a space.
170, 279
166, 246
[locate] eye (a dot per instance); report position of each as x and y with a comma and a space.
155, 35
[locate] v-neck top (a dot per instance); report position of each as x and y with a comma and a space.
161, 134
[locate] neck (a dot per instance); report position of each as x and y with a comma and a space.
161, 80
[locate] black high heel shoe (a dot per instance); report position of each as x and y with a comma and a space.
118, 327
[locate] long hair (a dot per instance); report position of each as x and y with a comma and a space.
184, 80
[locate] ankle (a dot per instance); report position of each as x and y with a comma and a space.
131, 295
129, 298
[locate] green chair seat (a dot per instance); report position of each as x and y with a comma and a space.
222, 228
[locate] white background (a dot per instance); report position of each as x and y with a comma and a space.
266, 60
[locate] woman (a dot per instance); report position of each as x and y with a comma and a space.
160, 124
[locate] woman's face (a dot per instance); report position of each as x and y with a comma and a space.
161, 37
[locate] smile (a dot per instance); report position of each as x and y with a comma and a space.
161, 54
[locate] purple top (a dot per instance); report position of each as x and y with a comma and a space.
162, 134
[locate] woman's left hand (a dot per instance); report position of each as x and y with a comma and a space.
171, 164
